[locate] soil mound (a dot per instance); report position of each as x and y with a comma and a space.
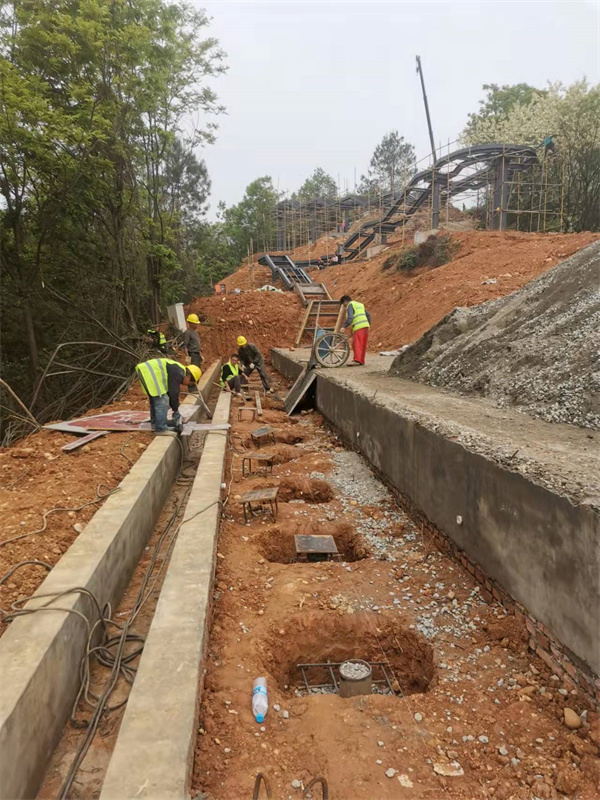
534, 350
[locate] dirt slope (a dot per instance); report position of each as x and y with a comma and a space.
535, 350
404, 305
268, 319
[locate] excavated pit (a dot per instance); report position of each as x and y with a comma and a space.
279, 546
322, 637
311, 490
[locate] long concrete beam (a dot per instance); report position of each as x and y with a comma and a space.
40, 653
153, 755
537, 544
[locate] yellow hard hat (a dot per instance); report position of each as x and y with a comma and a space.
241, 340
193, 318
195, 371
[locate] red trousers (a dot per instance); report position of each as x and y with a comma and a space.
359, 344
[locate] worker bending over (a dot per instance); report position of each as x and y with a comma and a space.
232, 379
158, 339
162, 379
359, 320
252, 359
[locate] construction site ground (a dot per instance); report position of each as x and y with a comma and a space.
404, 305
473, 714
563, 458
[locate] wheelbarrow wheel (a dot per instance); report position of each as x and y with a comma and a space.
332, 349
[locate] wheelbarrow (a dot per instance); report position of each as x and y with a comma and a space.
329, 349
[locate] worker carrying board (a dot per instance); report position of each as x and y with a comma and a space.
358, 320
162, 379
252, 359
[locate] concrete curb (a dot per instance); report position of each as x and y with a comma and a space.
536, 544
153, 755
40, 654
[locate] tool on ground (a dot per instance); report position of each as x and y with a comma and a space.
262, 435
260, 497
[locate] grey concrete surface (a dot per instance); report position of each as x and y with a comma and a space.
40, 654
153, 754
534, 540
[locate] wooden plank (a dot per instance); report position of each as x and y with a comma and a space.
303, 382
340, 319
304, 321
325, 291
68, 448
258, 401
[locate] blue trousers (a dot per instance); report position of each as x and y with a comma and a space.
159, 408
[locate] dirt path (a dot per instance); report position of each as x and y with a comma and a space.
472, 713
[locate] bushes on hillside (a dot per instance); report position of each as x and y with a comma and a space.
433, 252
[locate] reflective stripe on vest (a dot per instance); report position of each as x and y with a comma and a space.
153, 375
359, 320
235, 370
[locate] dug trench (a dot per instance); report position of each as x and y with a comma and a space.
468, 711
141, 598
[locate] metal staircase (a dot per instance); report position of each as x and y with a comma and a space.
284, 269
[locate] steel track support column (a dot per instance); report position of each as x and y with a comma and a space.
501, 178
435, 202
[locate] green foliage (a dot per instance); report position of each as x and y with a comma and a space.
100, 188
571, 116
319, 185
393, 162
251, 220
433, 252
500, 100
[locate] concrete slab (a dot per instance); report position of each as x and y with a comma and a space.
528, 521
153, 754
40, 654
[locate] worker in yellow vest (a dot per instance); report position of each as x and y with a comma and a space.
158, 339
358, 320
232, 378
162, 379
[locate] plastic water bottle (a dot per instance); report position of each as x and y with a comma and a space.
260, 699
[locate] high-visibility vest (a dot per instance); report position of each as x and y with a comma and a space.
235, 371
359, 320
162, 339
153, 375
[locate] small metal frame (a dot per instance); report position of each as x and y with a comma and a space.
265, 461
333, 667
241, 411
260, 497
262, 435
320, 547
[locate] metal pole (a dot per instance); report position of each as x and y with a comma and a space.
431, 139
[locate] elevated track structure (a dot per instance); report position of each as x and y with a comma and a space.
492, 166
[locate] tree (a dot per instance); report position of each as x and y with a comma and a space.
393, 162
99, 184
252, 218
571, 116
318, 186
500, 100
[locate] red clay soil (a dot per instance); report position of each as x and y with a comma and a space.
403, 305
268, 319
36, 476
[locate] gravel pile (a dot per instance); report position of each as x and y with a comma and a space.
536, 350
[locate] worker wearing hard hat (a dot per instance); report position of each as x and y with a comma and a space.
159, 340
191, 342
161, 380
232, 379
359, 320
252, 359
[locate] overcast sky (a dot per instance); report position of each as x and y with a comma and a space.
319, 83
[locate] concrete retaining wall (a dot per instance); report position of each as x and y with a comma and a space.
154, 752
539, 546
40, 654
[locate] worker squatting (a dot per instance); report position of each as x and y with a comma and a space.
162, 378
